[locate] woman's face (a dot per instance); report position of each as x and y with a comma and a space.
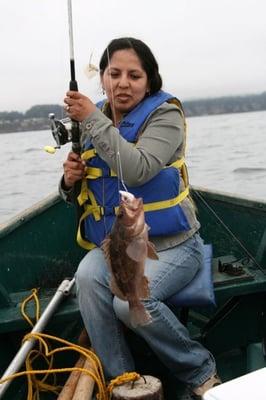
125, 82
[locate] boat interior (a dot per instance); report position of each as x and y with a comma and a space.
38, 250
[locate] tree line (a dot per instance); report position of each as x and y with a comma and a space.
225, 105
36, 117
38, 111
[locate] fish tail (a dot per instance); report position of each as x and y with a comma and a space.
139, 316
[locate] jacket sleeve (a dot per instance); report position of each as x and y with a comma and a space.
69, 195
160, 142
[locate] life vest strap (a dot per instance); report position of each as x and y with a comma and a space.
98, 212
91, 208
159, 205
184, 174
94, 173
83, 242
83, 196
177, 164
88, 154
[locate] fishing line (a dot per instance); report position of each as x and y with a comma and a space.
229, 230
118, 160
120, 180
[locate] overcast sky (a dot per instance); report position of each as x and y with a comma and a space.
205, 48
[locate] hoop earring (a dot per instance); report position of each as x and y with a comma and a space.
103, 91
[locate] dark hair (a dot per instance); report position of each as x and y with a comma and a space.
147, 59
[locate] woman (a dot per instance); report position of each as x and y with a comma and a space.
139, 135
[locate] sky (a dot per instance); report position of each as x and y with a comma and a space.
205, 48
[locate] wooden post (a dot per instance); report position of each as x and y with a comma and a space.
71, 383
146, 388
85, 385
84, 339
70, 386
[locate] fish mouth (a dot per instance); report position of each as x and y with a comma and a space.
129, 218
126, 197
133, 206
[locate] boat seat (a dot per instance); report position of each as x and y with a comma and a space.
212, 284
199, 292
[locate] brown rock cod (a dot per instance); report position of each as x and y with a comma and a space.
126, 249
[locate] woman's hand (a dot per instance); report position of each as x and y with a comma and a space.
78, 106
74, 169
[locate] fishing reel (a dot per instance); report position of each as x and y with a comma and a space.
61, 131
64, 130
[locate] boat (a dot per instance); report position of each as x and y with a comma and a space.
38, 250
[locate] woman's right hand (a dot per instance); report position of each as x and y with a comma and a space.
74, 169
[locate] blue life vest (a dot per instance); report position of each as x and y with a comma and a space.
99, 194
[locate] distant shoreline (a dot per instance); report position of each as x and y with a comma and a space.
26, 125
36, 118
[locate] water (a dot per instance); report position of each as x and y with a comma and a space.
228, 153
224, 153
28, 173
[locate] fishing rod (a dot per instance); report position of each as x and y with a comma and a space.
73, 85
66, 129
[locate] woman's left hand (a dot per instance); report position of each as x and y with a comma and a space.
78, 106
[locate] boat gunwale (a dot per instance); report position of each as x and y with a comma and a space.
233, 198
28, 214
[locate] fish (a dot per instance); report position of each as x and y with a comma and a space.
125, 249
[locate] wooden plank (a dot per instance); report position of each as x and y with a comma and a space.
69, 388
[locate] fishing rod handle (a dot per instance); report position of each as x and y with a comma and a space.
75, 130
73, 85
75, 136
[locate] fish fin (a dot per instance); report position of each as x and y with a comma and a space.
105, 246
144, 290
137, 249
152, 251
115, 289
139, 316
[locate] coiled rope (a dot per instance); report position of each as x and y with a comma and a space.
119, 380
35, 385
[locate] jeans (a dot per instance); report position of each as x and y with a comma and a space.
102, 314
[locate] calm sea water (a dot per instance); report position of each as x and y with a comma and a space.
224, 152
